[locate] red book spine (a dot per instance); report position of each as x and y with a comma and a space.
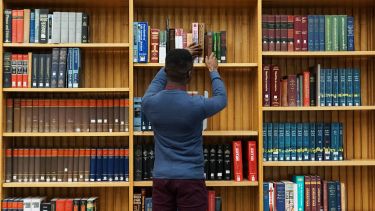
237, 161
307, 193
278, 32
271, 33
25, 59
20, 27
306, 88
19, 70
68, 204
252, 161
14, 25
265, 32
304, 32
154, 46
325, 196
319, 203
60, 205
184, 39
14, 70
297, 33
290, 33
211, 200
266, 85
275, 85
313, 193
284, 32
292, 90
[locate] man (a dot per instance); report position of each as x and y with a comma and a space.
177, 119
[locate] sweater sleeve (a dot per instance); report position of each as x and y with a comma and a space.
157, 84
218, 101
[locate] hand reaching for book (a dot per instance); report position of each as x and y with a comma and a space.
194, 49
211, 62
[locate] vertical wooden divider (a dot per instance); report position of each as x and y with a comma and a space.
131, 112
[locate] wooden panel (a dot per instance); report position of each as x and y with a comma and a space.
237, 198
110, 198
195, 3
68, 3
315, 3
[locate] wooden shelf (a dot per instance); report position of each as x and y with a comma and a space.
66, 89
218, 183
68, 3
66, 45
209, 133
317, 3
72, 134
317, 53
320, 163
201, 65
195, 3
64, 184
320, 108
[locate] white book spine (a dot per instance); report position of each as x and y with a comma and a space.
27, 204
56, 25
37, 13
295, 193
72, 27
79, 27
50, 27
64, 29
195, 37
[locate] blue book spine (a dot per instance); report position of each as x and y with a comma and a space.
105, 165
335, 87
266, 198
32, 26
322, 27
350, 26
311, 33
342, 87
287, 141
322, 82
137, 114
349, 87
148, 204
280, 196
99, 164
143, 42
316, 33
306, 141
265, 141
328, 87
341, 142
121, 166
312, 138
299, 141
76, 67
356, 87
275, 141
327, 141
332, 195
136, 41
116, 165
93, 166
300, 181
338, 191
335, 132
126, 167
319, 141
70, 67
281, 141
269, 139
293, 143
110, 164
298, 88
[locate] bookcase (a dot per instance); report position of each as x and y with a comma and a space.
108, 69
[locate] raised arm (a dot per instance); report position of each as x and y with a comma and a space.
157, 84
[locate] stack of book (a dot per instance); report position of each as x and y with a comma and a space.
66, 165
55, 204
214, 201
304, 193
313, 87
60, 68
67, 115
303, 141
308, 33
142, 201
152, 45
44, 26
144, 156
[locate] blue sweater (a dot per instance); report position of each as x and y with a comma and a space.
177, 120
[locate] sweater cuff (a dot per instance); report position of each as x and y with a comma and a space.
214, 75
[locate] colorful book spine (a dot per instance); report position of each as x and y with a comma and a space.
280, 195
143, 42
293, 142
319, 141
356, 87
335, 33
265, 141
275, 142
316, 32
328, 86
312, 141
335, 139
342, 87
322, 41
300, 181
335, 87
328, 33
299, 141
269, 142
281, 146
136, 41
349, 87
287, 146
327, 141
343, 33
311, 32
350, 33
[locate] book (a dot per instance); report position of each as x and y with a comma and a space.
280, 195
251, 160
237, 161
266, 85
8, 23
328, 33
350, 33
264, 33
304, 33
297, 33
271, 32
275, 85
290, 33
154, 49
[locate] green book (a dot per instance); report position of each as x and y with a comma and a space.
214, 44
335, 32
343, 33
328, 32
300, 181
218, 46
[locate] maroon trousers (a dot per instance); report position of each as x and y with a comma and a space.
186, 195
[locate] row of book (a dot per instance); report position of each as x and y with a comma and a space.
303, 141
304, 193
67, 115
55, 204
152, 45
307, 33
313, 87
214, 201
43, 26
66, 165
60, 68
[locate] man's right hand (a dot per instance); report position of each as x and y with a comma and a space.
211, 62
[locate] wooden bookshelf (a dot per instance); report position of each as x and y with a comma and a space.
320, 163
67, 45
321, 108
64, 184
67, 90
207, 133
202, 65
208, 183
66, 134
318, 53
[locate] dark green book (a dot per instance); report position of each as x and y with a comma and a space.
328, 34
335, 32
218, 46
343, 33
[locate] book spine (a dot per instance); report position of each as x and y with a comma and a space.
341, 142
311, 32
20, 28
37, 25
292, 90
19, 70
110, 164
266, 85
154, 50
275, 85
335, 139
343, 33
272, 32
50, 22
143, 45
277, 33
356, 87
76, 67
284, 32
300, 181
138, 162
264, 33
265, 141
350, 33
266, 197
335, 33
201, 31
313, 187
328, 33
56, 26
85, 29
8, 30
252, 161
322, 32
304, 31
26, 26
55, 67
41, 70
212, 165
48, 68
306, 141
281, 147
237, 161
299, 141
162, 46
335, 87
61, 82
316, 33
297, 33
306, 88
312, 140
313, 89
64, 29
78, 27
332, 195
43, 24
223, 47
275, 141
342, 87
269, 141
136, 41
328, 86
327, 141
7, 69
280, 196
308, 193
14, 26
252, 172
293, 142
290, 33
287, 135
349, 87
